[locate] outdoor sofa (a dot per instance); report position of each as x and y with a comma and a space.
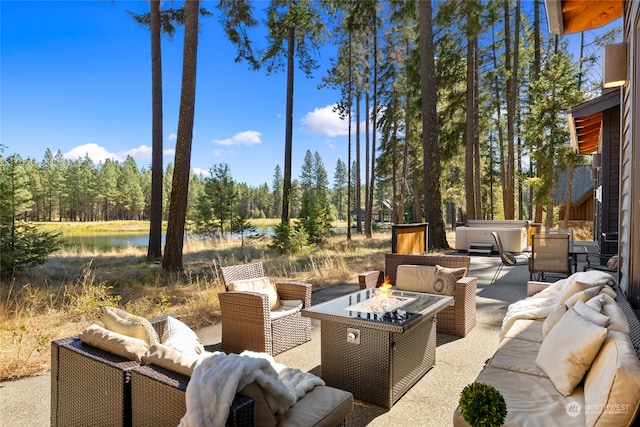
457, 319
561, 364
91, 386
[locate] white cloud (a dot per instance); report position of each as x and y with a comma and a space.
141, 153
200, 172
324, 121
217, 153
172, 137
248, 138
94, 151
99, 154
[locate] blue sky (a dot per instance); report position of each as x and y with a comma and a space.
76, 77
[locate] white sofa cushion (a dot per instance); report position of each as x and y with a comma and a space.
286, 308
526, 329
533, 400
261, 285
431, 279
567, 351
612, 385
517, 355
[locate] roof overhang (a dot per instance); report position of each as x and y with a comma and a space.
574, 16
585, 122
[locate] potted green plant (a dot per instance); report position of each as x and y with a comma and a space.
482, 405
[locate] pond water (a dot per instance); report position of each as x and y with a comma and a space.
107, 241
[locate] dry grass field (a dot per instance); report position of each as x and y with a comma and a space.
63, 296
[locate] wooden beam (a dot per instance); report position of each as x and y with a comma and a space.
581, 15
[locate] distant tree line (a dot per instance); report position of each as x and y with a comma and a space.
59, 189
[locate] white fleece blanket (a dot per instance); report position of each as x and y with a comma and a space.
540, 305
218, 377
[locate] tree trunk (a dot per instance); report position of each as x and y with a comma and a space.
180, 185
288, 144
154, 251
357, 183
537, 217
469, 174
508, 182
433, 198
374, 120
567, 208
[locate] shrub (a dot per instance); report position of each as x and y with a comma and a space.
482, 405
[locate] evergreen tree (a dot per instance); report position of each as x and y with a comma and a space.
340, 189
21, 243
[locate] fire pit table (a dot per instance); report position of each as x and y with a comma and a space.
377, 344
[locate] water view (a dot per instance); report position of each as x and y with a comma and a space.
106, 241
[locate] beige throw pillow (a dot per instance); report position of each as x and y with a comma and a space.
180, 337
261, 285
170, 358
431, 279
118, 320
551, 320
568, 350
617, 319
574, 288
415, 278
591, 315
458, 272
583, 296
114, 342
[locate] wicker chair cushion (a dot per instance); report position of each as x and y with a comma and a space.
287, 308
430, 279
180, 337
261, 285
114, 342
125, 323
170, 358
567, 351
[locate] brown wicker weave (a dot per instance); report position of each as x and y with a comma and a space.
246, 322
158, 399
456, 320
90, 386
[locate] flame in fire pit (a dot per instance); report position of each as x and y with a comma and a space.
385, 288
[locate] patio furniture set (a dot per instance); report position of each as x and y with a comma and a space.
108, 383
569, 356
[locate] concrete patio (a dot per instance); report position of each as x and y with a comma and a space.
430, 402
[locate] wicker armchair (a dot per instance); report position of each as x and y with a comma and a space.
456, 320
246, 317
